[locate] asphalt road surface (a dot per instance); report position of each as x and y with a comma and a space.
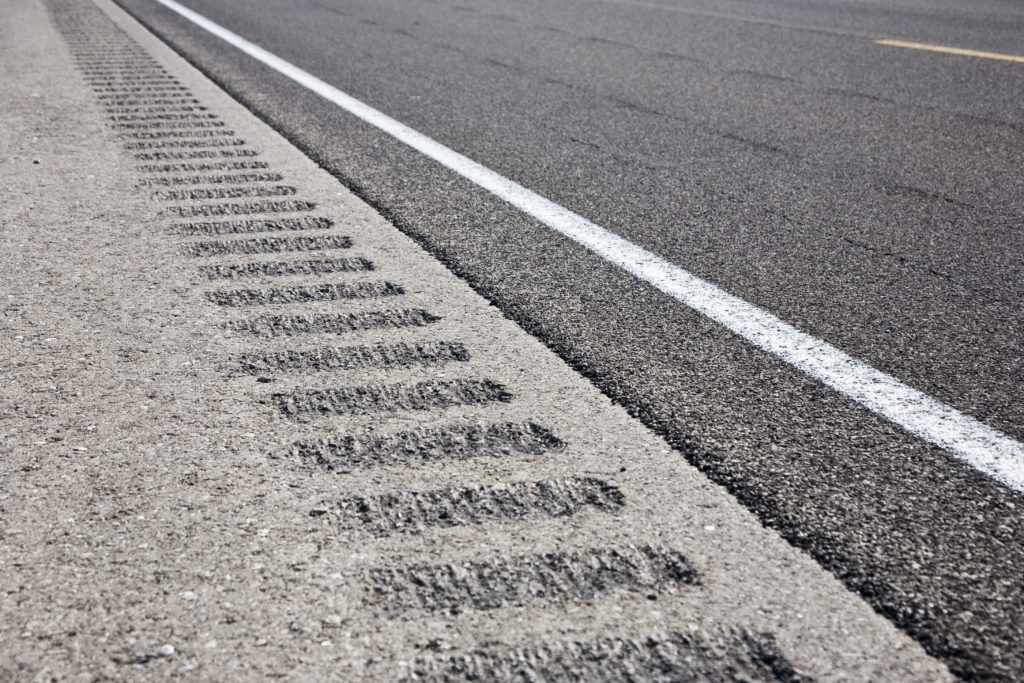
868, 194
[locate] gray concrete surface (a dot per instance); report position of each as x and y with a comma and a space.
229, 452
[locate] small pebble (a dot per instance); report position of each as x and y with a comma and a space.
165, 651
187, 595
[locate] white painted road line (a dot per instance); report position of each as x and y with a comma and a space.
976, 444
952, 50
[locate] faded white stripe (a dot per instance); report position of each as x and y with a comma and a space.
986, 449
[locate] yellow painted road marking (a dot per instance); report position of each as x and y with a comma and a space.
951, 50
